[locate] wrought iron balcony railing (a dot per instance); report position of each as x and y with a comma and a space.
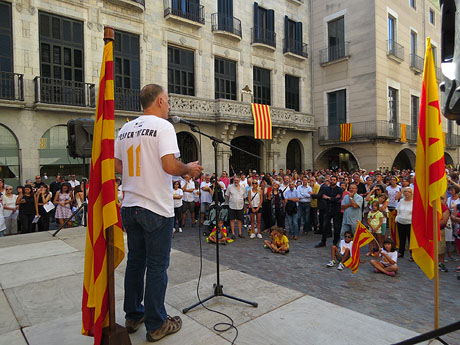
395, 49
362, 131
11, 86
263, 36
127, 99
416, 63
184, 9
295, 47
226, 23
333, 53
64, 92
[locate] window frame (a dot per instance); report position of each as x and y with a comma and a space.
184, 72
8, 32
225, 78
290, 93
413, 4
432, 17
260, 87
339, 116
134, 80
393, 110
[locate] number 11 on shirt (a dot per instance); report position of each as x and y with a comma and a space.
131, 160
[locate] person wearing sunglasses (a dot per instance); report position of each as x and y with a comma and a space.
342, 253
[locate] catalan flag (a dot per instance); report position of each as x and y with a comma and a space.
430, 176
345, 131
361, 238
103, 208
393, 226
262, 121
403, 133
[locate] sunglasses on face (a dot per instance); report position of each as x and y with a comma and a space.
347, 236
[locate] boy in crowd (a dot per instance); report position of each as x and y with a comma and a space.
341, 254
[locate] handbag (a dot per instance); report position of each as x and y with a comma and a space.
291, 207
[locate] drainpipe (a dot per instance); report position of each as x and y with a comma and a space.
312, 102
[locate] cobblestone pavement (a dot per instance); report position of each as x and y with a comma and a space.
405, 300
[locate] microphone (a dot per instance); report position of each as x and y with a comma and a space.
177, 119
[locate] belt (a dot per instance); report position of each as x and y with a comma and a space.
304, 202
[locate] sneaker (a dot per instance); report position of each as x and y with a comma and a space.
321, 244
443, 267
446, 260
391, 274
259, 235
180, 229
133, 325
340, 267
174, 230
331, 263
253, 235
170, 326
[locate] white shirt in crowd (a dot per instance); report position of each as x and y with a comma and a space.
205, 195
393, 256
196, 195
74, 183
188, 196
404, 215
145, 184
9, 202
244, 183
178, 192
344, 245
392, 202
235, 197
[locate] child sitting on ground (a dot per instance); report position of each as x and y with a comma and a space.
223, 239
279, 242
389, 256
343, 254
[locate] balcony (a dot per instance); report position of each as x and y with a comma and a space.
185, 12
11, 86
138, 5
263, 38
295, 48
335, 53
225, 25
64, 92
395, 51
416, 63
362, 131
127, 99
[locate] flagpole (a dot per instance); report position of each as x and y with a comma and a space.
436, 270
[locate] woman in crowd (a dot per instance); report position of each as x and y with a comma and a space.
277, 206
63, 201
26, 202
266, 204
10, 210
178, 193
2, 186
42, 196
404, 219
255, 209
80, 199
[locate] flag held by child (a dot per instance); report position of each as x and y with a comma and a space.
361, 238
430, 175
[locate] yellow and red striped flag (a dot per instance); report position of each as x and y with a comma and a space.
103, 208
430, 175
361, 238
393, 227
403, 133
262, 121
345, 131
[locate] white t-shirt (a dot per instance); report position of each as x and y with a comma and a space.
196, 195
393, 256
9, 202
344, 245
188, 196
178, 192
140, 145
392, 202
205, 195
74, 183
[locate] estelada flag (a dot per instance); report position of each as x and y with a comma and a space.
103, 208
345, 131
430, 175
262, 121
393, 227
361, 238
403, 133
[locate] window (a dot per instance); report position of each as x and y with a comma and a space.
264, 26
413, 42
336, 39
181, 71
413, 4
293, 37
262, 89
393, 104
414, 112
292, 93
61, 47
6, 39
225, 79
391, 32
432, 17
337, 107
434, 49
225, 15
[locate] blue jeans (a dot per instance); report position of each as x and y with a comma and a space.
293, 224
149, 247
304, 215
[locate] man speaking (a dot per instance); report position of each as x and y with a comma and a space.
146, 154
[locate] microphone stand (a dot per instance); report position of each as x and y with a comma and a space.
218, 288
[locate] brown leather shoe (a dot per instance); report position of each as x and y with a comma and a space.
170, 326
133, 325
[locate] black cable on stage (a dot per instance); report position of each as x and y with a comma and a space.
227, 325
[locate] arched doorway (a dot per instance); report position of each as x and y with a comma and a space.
335, 158
187, 147
294, 156
9, 157
240, 161
53, 154
404, 160
448, 160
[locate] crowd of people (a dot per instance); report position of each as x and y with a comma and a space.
328, 203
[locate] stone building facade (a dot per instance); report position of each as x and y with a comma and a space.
51, 64
367, 70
